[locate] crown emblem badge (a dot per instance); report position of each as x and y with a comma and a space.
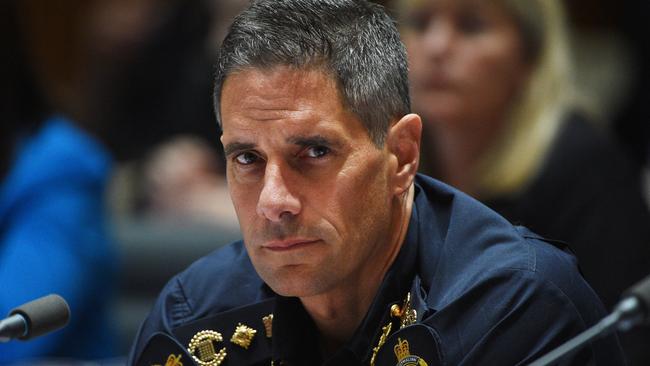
404, 356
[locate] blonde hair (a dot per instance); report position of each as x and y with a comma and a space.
515, 157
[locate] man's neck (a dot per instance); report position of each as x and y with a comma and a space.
338, 313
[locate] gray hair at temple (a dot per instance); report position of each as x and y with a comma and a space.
354, 41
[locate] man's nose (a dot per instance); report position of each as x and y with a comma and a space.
276, 199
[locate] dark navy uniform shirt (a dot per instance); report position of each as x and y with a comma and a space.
467, 288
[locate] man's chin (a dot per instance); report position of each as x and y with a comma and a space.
295, 285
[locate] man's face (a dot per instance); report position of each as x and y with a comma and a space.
311, 190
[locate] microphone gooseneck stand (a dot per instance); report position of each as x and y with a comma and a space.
632, 311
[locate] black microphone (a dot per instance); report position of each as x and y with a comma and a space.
632, 310
35, 318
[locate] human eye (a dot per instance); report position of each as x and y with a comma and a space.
317, 152
246, 158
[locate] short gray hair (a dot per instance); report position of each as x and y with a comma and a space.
354, 41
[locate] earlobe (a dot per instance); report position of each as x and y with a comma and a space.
404, 144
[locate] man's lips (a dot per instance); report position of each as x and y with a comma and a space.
285, 245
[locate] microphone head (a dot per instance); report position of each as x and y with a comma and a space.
641, 291
43, 315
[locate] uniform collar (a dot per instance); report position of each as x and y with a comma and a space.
295, 337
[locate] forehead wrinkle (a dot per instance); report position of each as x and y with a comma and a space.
284, 95
275, 111
282, 87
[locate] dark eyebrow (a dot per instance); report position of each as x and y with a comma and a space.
311, 141
237, 146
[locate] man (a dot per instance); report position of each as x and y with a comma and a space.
348, 257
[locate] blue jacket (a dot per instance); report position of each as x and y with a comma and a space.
469, 289
53, 239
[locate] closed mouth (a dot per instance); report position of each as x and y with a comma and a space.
286, 245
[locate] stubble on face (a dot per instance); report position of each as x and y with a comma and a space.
344, 197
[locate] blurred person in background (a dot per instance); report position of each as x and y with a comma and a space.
502, 121
148, 80
116, 78
184, 178
53, 233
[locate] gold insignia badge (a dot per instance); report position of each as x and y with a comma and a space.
406, 314
202, 348
173, 360
243, 335
385, 331
404, 356
268, 325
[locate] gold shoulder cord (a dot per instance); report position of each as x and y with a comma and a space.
385, 331
406, 315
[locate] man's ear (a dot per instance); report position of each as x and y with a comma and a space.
403, 142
